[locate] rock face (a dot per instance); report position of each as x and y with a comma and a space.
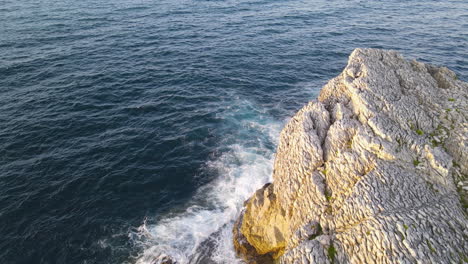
374, 171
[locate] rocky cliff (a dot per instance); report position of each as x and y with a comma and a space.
374, 171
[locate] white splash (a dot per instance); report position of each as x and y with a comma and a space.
241, 171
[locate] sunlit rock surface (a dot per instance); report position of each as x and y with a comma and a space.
374, 171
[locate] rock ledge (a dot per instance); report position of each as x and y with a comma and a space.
374, 171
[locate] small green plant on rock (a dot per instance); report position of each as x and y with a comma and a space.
463, 257
398, 140
318, 233
328, 195
432, 249
331, 253
416, 162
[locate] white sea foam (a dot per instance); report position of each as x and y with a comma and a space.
241, 171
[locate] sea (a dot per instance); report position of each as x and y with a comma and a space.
133, 130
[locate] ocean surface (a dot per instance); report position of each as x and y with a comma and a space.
135, 129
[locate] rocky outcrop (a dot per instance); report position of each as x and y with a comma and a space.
374, 171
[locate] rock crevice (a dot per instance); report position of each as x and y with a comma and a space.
374, 171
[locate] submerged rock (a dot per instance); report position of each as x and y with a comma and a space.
374, 171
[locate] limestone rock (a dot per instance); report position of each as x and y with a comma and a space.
374, 171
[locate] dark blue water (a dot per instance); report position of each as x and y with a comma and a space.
134, 129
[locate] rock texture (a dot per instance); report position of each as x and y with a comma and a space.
374, 171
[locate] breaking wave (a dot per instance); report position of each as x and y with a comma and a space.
202, 233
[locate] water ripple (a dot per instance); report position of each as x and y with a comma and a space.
113, 112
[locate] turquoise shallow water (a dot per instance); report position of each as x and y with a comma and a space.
134, 129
